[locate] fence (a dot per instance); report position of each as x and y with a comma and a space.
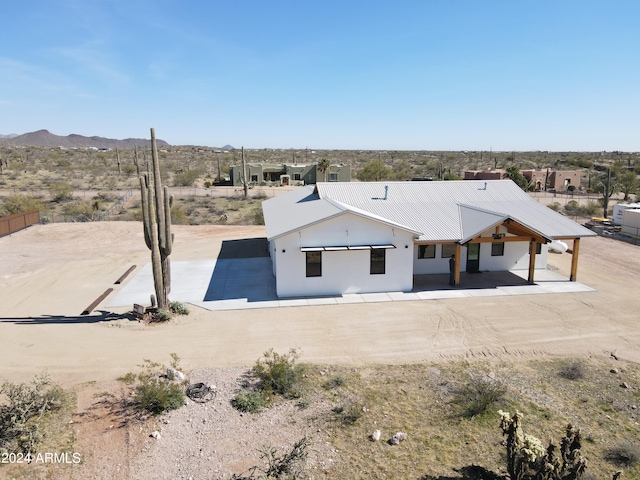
18, 221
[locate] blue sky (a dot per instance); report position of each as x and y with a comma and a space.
412, 75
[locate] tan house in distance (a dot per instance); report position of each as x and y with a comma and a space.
540, 179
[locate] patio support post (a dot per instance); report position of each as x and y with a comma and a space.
532, 259
574, 259
456, 271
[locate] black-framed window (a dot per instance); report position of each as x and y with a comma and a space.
448, 250
254, 178
378, 256
538, 248
314, 264
497, 249
426, 251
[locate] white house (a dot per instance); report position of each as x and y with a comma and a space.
335, 238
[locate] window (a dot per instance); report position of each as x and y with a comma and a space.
333, 177
426, 251
538, 248
314, 264
296, 176
377, 261
448, 250
497, 249
254, 178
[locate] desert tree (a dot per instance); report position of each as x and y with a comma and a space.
324, 165
514, 173
628, 184
374, 171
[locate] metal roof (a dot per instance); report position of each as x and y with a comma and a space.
435, 211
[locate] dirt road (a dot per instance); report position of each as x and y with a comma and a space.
50, 273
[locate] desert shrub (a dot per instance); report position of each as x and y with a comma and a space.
61, 192
185, 178
349, 411
334, 382
162, 315
287, 466
179, 308
259, 195
279, 373
555, 206
156, 394
250, 401
154, 391
20, 203
572, 370
179, 216
477, 394
80, 209
21, 414
624, 454
207, 184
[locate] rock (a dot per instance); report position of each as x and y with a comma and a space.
624, 385
174, 374
155, 434
397, 438
613, 370
375, 436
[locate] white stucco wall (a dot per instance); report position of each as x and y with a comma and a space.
516, 257
343, 271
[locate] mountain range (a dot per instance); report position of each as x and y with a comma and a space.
44, 138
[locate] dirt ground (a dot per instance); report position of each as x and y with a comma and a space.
50, 273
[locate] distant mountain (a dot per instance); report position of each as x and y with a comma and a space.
11, 135
228, 147
44, 138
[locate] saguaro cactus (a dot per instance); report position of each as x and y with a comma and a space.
156, 213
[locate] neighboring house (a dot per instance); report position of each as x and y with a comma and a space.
540, 179
487, 174
288, 174
336, 238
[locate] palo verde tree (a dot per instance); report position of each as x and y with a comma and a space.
156, 215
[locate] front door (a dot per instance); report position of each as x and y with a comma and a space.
473, 258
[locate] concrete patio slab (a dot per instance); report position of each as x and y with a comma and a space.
248, 283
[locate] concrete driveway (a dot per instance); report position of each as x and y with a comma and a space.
241, 278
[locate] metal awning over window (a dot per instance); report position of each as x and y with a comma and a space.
337, 248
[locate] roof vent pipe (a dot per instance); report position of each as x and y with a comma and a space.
386, 191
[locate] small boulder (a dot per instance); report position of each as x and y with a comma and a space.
174, 374
375, 436
397, 438
624, 385
155, 434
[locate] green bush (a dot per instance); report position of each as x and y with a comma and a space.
179, 308
156, 395
20, 203
61, 192
21, 415
251, 402
279, 373
185, 178
155, 392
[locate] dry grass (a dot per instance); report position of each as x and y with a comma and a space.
419, 400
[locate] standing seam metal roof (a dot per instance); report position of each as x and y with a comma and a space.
437, 211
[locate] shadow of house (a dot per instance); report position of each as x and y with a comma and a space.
243, 270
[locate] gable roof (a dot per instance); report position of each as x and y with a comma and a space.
436, 211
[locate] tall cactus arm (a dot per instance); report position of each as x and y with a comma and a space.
144, 192
168, 237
